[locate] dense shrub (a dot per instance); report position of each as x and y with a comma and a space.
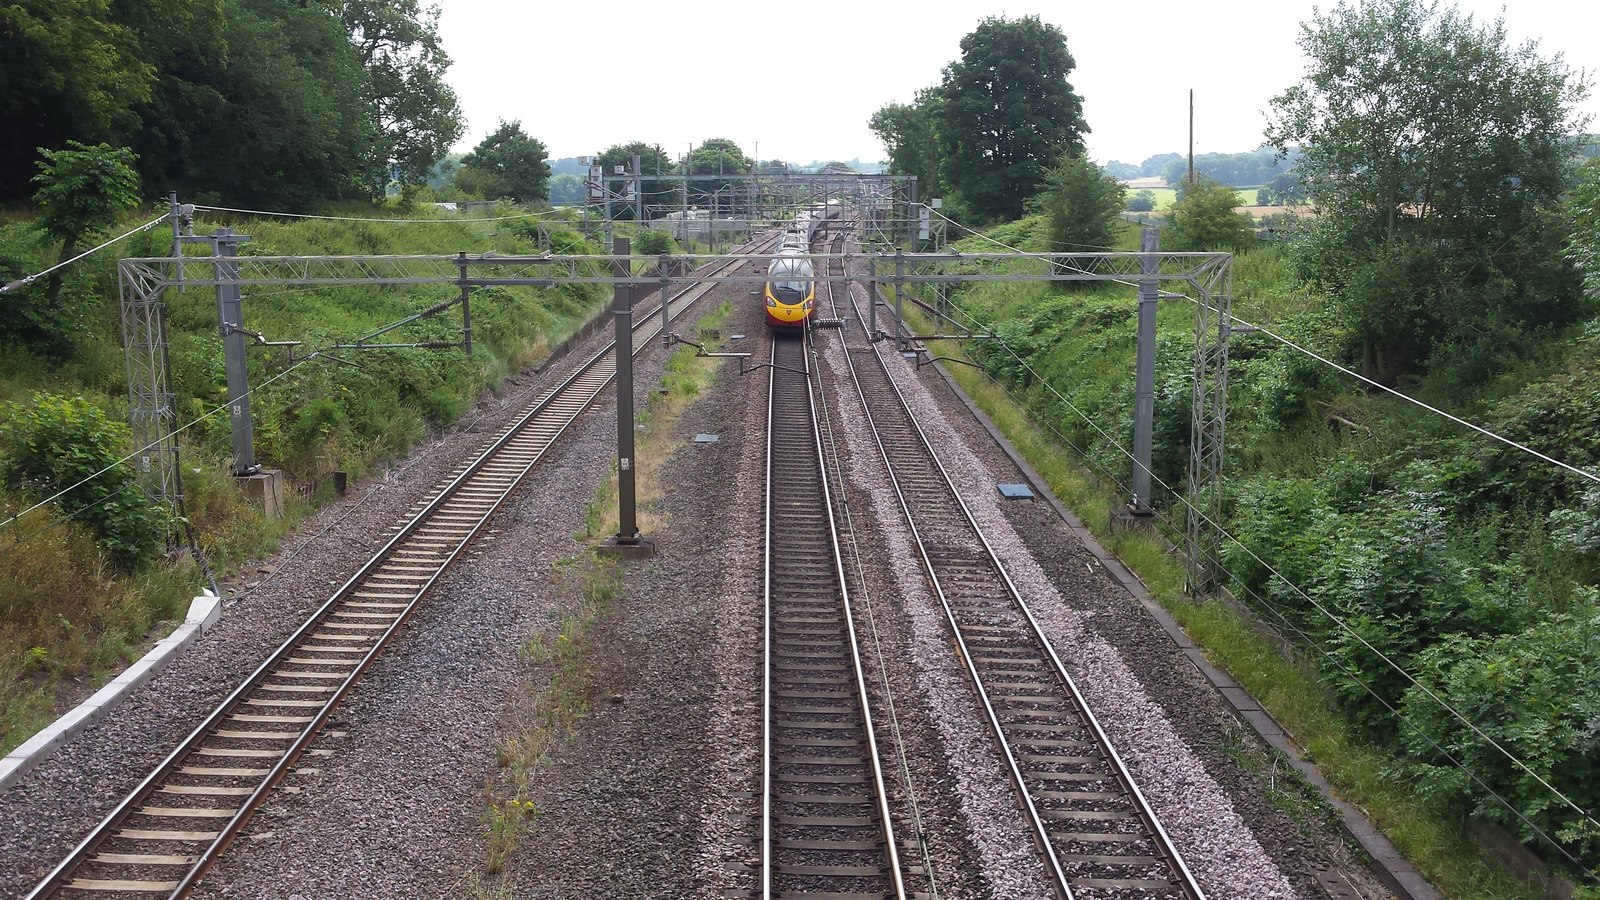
1534, 694
654, 242
66, 443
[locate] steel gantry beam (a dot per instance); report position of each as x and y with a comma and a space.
149, 276
1206, 279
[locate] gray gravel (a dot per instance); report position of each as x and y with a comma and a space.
654, 792
1218, 846
1009, 862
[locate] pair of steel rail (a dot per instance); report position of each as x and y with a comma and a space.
166, 834
1092, 825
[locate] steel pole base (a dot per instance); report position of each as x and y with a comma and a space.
636, 547
1130, 518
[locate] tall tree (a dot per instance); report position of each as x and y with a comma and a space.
653, 160
715, 156
419, 116
1008, 113
910, 135
67, 72
507, 164
1435, 238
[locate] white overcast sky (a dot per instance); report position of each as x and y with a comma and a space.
798, 81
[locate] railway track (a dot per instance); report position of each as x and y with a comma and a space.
1095, 831
826, 827
165, 835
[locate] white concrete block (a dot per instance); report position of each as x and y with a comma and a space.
205, 610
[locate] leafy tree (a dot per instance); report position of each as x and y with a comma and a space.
1143, 201
1584, 242
418, 115
719, 155
1121, 171
59, 443
1160, 164
652, 160
1083, 203
654, 242
1007, 113
444, 171
1435, 238
716, 156
1286, 188
81, 189
910, 135
1249, 169
507, 164
69, 73
1203, 219
567, 189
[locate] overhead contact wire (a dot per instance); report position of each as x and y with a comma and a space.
1339, 623
1309, 599
877, 645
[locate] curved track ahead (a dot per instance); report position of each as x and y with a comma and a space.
164, 836
1094, 828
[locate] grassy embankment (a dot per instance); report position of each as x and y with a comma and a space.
1091, 347
588, 587
69, 615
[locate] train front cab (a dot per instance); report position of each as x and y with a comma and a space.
789, 293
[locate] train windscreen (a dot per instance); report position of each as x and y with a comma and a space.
790, 279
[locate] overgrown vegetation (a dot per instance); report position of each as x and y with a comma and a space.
86, 584
1088, 473
585, 589
1442, 585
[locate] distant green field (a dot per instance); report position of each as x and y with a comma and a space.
1165, 197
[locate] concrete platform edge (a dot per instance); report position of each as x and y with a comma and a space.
1390, 865
204, 612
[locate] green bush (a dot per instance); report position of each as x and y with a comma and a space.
1532, 692
60, 443
654, 242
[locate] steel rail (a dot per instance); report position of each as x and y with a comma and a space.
1060, 880
478, 491
782, 591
